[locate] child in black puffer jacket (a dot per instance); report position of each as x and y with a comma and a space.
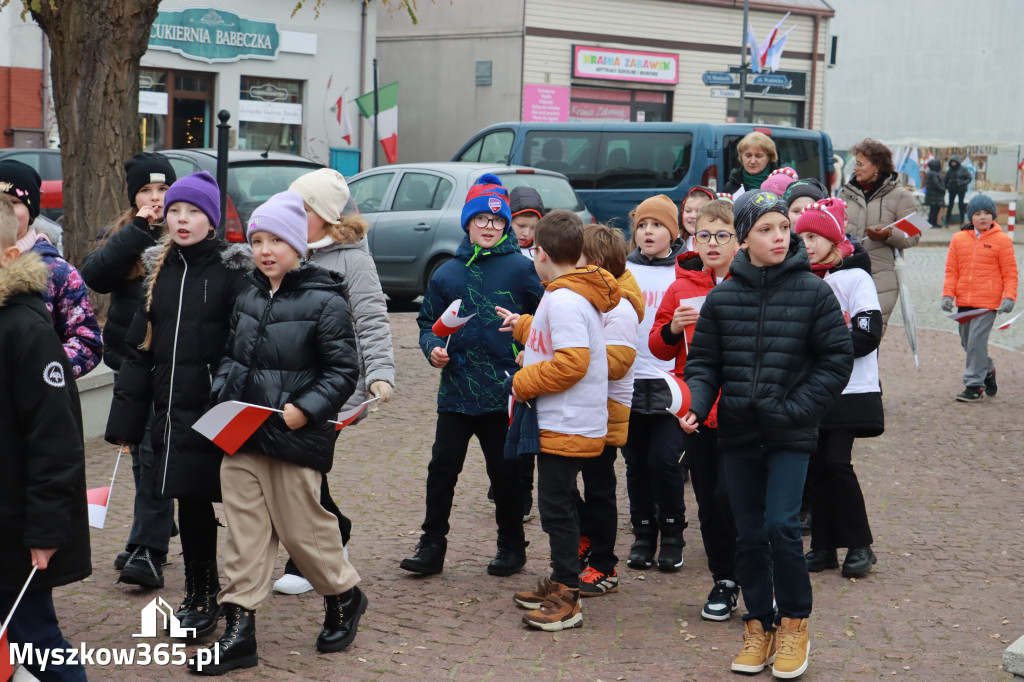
773, 340
292, 348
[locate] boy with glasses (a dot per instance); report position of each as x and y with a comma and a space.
696, 275
487, 271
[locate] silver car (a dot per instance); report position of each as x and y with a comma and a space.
415, 210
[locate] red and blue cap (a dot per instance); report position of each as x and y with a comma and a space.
486, 196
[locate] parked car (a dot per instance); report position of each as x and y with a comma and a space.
615, 166
47, 163
253, 177
415, 210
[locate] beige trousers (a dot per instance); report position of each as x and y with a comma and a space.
267, 500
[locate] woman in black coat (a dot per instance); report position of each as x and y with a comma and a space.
115, 267
174, 345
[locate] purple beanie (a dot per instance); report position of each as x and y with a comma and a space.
198, 189
284, 216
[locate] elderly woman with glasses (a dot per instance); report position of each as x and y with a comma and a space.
875, 200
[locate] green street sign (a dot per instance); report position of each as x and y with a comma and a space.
212, 35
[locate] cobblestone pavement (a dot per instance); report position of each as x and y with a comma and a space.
943, 489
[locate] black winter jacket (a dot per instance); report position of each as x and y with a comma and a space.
775, 341
42, 489
297, 346
735, 179
934, 190
106, 270
193, 295
957, 177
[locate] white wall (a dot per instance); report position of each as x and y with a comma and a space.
940, 73
20, 41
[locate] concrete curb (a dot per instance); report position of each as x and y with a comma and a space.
95, 391
1013, 660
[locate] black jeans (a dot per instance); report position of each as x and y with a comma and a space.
344, 523
839, 517
559, 514
598, 510
197, 529
654, 476
717, 528
153, 516
933, 214
765, 485
960, 194
451, 441
35, 622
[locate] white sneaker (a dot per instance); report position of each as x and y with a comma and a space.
292, 584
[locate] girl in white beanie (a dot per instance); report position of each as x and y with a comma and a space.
338, 242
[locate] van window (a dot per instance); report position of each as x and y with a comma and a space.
612, 160
803, 156
494, 147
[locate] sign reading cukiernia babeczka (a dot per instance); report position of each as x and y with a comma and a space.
212, 35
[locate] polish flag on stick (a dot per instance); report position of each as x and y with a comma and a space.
99, 498
913, 225
346, 417
680, 394
6, 670
1010, 321
231, 423
449, 322
968, 315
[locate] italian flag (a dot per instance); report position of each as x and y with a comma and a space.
387, 117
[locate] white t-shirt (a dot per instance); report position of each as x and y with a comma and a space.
582, 410
654, 281
621, 327
857, 293
526, 251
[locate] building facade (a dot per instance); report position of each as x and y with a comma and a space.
471, 63
279, 76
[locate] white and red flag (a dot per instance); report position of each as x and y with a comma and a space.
231, 423
343, 120
99, 498
680, 394
6, 668
1010, 321
968, 315
449, 322
346, 417
914, 224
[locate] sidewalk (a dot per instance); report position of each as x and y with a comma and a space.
942, 488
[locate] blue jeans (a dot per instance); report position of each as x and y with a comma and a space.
35, 622
765, 487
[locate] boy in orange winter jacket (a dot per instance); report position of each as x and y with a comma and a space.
565, 378
606, 248
981, 274
696, 274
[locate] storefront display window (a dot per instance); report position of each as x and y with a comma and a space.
613, 104
174, 109
769, 112
270, 114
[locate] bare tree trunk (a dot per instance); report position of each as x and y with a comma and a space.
96, 47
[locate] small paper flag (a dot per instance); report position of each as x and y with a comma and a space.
914, 224
450, 321
231, 423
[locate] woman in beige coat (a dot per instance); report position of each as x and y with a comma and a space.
875, 200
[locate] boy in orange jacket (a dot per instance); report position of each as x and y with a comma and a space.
981, 273
565, 377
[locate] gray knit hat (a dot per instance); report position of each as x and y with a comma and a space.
980, 202
749, 208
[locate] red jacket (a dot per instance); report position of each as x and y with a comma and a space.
692, 280
980, 271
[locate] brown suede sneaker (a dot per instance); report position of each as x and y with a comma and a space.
532, 599
794, 645
560, 610
758, 648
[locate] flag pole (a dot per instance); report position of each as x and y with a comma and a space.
743, 63
376, 113
17, 601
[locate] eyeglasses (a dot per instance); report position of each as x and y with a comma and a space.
482, 221
704, 237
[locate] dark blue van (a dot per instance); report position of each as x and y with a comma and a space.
615, 166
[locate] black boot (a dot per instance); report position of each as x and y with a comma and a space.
341, 621
236, 648
429, 558
143, 568
203, 612
508, 560
670, 558
645, 543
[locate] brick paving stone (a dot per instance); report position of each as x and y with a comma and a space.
942, 487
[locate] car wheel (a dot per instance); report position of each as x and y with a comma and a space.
402, 298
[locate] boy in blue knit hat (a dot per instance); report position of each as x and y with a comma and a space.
487, 271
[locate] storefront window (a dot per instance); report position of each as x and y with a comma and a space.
270, 114
768, 112
613, 104
153, 109
174, 109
